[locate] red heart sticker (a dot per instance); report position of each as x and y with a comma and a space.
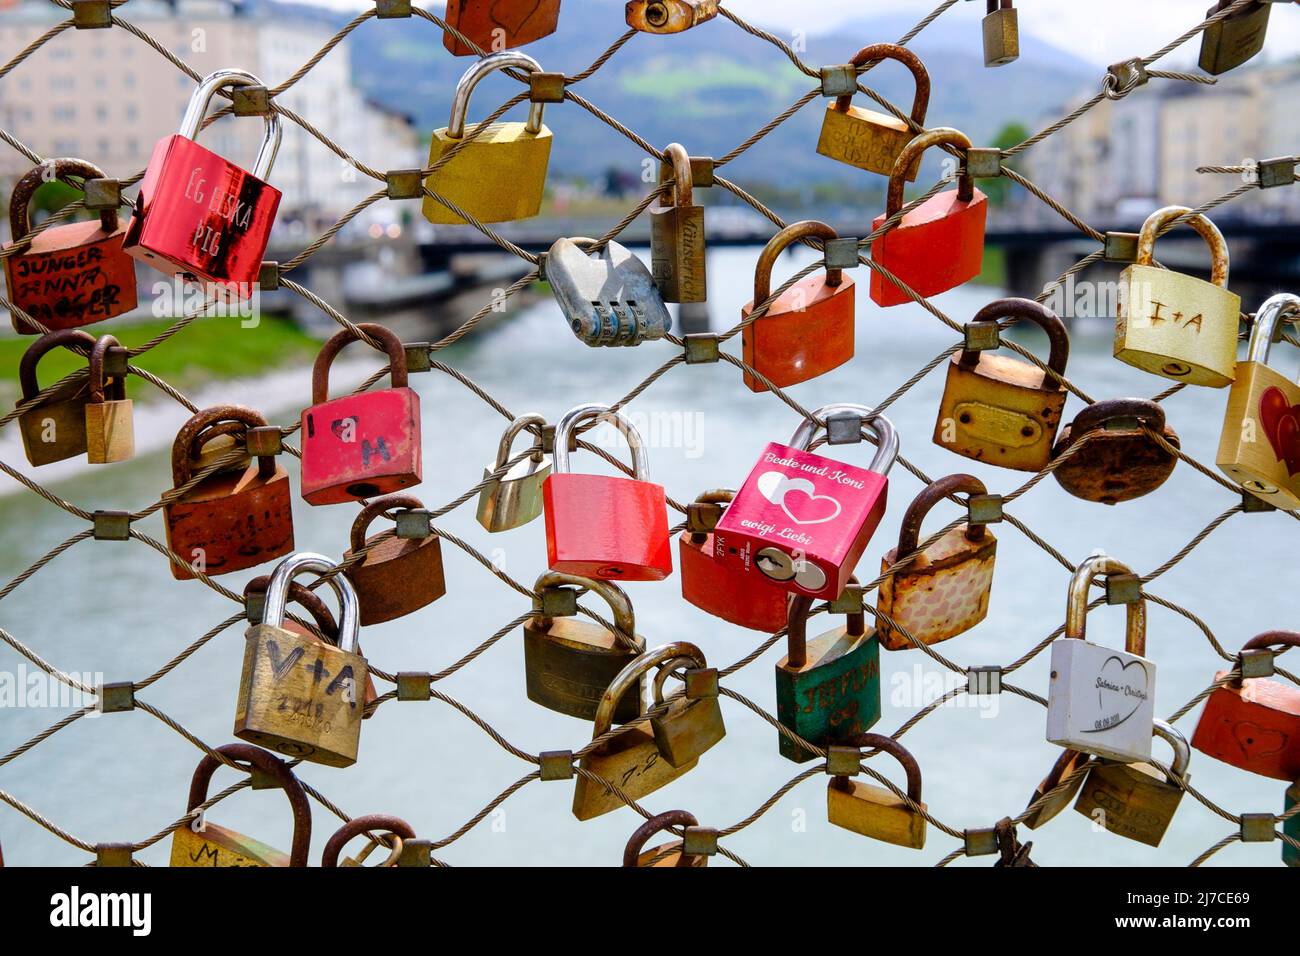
1281, 423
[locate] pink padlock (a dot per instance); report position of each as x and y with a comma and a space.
804, 520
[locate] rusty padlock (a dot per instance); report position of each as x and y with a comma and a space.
110, 427
865, 138
398, 576
397, 829
1119, 462
497, 25
669, 854
55, 429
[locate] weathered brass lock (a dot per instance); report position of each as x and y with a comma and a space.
1067, 765
1235, 39
398, 576
610, 299
669, 854
870, 810
1001, 33
677, 245
569, 663
396, 831
693, 723
515, 498
1136, 800
1176, 325
1119, 461
669, 16
55, 429
110, 429
870, 140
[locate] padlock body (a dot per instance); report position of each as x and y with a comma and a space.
515, 499
942, 593
372, 695
63, 420
873, 812
498, 177
677, 253
1131, 800
71, 275
609, 298
833, 696
1003, 411
231, 521
935, 247
397, 577
670, 854
569, 664
1291, 827
1177, 326
201, 216
361, 446
633, 763
669, 16
299, 697
1255, 727
802, 520
1233, 40
807, 332
1260, 444
110, 431
727, 590
497, 25
219, 846
1116, 464
865, 139
599, 526
1058, 801
1101, 700
1001, 37
688, 729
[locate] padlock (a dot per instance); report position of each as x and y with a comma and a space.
497, 25
598, 526
1254, 723
875, 811
808, 330
865, 138
632, 760
669, 16
200, 843
677, 244
1101, 701
827, 689
720, 587
55, 429
1233, 40
515, 498
670, 854
1066, 768
110, 427
610, 299
1119, 461
693, 722
569, 663
1002, 410
1291, 826
365, 445
200, 216
944, 591
73, 274
396, 828
1263, 403
1001, 33
803, 520
233, 519
1174, 325
297, 696
1136, 800
938, 245
499, 176
398, 576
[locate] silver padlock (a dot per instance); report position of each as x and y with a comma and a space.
609, 298
515, 498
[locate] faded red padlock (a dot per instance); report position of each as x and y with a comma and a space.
73, 274
200, 216
802, 520
601, 526
398, 575
808, 330
1254, 723
936, 246
360, 446
497, 25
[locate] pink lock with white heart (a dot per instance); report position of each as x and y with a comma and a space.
803, 520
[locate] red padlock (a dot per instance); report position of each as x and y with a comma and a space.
802, 520
1254, 723
808, 330
200, 216
715, 585
362, 445
600, 526
938, 245
70, 275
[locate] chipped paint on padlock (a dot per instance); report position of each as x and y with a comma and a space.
669, 16
514, 499
1119, 461
1233, 40
1137, 801
877, 812
497, 25
868, 139
109, 416
668, 854
691, 725
397, 576
54, 430
678, 250
609, 297
379, 823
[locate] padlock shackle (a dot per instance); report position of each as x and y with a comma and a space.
678, 161
939, 136
278, 587
796, 628
512, 432
1076, 605
795, 232
320, 371
995, 5
306, 599
666, 670
608, 591
470, 79
892, 51
358, 825
657, 824
200, 99
277, 770
630, 676
37, 350
909, 535
887, 442
38, 176
889, 745
1271, 639
373, 510
98, 355
575, 416
1174, 737
1031, 311
1097, 414
1267, 319
1146, 248
714, 496
241, 417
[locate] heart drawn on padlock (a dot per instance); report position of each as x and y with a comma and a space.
809, 507
1257, 741
1281, 423
1111, 697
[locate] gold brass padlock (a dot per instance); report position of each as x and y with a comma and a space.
1067, 767
515, 498
670, 854
1176, 325
869, 810
54, 430
677, 246
669, 16
110, 430
693, 722
865, 138
1001, 34
1233, 40
1136, 800
396, 829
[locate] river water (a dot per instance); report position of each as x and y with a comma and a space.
113, 609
